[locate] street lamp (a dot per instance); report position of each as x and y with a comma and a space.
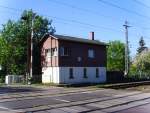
31, 45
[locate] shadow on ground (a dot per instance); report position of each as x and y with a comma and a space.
8, 89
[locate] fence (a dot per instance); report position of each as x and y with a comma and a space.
115, 76
10, 79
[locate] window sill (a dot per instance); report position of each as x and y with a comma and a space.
91, 58
71, 78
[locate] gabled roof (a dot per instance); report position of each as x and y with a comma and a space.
75, 39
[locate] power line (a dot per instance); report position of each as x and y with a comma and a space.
90, 11
66, 20
124, 9
84, 27
10, 8
85, 10
62, 3
141, 3
82, 23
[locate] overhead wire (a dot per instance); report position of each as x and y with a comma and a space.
92, 12
141, 3
124, 9
84, 10
67, 20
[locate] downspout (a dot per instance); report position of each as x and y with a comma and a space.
51, 61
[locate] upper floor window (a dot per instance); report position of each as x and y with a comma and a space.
91, 53
64, 51
51, 52
48, 52
54, 51
47, 55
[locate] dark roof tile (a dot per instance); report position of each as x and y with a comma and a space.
81, 40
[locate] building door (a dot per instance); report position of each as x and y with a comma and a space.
51, 78
51, 75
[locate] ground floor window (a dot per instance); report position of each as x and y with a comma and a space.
85, 73
71, 73
97, 73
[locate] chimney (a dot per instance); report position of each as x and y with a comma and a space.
91, 35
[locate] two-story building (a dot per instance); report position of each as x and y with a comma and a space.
71, 60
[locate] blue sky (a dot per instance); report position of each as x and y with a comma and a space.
79, 17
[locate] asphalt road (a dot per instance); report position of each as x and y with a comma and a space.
72, 100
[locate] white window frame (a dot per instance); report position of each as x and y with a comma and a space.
48, 53
54, 51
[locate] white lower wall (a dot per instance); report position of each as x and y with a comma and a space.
61, 75
50, 75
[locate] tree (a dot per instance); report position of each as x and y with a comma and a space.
41, 27
142, 46
4, 50
142, 63
14, 42
116, 56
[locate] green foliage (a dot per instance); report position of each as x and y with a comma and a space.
141, 64
115, 56
133, 69
2, 79
14, 42
142, 46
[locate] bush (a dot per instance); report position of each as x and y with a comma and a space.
2, 79
2, 76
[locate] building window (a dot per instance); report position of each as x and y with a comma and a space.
71, 73
48, 52
97, 73
79, 59
51, 52
54, 51
91, 53
85, 73
47, 56
64, 51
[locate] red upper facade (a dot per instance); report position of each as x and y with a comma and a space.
66, 51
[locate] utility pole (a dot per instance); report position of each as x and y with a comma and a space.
126, 49
32, 35
31, 46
